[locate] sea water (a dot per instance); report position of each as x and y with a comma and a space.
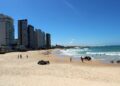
104, 53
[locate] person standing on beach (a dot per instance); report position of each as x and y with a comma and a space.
81, 59
27, 56
71, 59
18, 56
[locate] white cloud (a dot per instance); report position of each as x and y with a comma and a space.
69, 4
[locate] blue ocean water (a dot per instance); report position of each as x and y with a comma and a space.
97, 53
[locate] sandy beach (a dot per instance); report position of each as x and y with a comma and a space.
60, 72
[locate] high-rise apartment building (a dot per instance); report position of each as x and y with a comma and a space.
42, 39
48, 41
31, 37
37, 38
23, 32
6, 31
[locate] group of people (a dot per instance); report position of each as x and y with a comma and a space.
20, 56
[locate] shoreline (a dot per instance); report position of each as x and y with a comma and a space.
63, 58
78, 60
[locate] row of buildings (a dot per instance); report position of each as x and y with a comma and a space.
28, 36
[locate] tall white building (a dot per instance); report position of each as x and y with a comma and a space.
6, 31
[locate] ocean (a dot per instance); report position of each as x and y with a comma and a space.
102, 53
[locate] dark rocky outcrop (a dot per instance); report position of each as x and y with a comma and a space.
118, 61
88, 58
42, 62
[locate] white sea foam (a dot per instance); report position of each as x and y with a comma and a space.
70, 52
74, 52
77, 52
104, 53
87, 51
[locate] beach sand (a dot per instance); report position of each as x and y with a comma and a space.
60, 71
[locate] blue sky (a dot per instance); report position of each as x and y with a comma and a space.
78, 22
